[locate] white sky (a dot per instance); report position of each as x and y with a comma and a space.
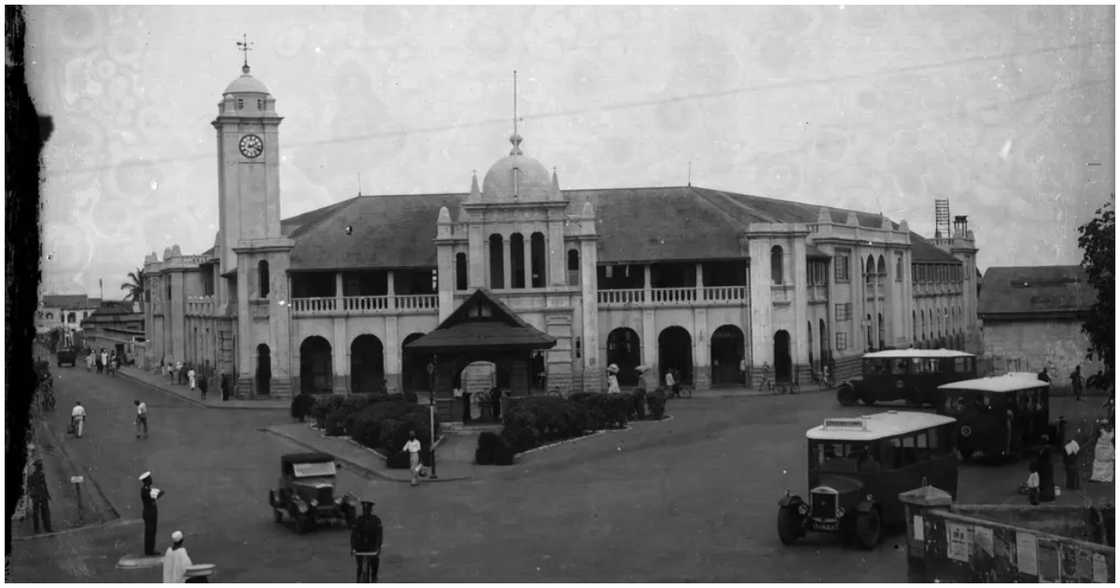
999, 109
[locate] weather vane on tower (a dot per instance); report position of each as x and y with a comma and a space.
245, 46
515, 138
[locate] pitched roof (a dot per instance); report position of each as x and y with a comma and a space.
482, 321
923, 251
634, 225
1035, 292
67, 301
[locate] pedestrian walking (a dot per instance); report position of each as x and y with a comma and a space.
1032, 483
148, 498
176, 560
1104, 455
412, 446
767, 383
78, 420
1071, 460
191, 377
104, 358
203, 384
1075, 382
180, 375
1045, 472
365, 543
671, 383
141, 418
90, 361
99, 364
645, 386
40, 497
612, 379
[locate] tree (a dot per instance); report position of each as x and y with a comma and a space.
1098, 241
135, 286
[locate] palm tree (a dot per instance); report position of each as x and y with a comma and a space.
134, 285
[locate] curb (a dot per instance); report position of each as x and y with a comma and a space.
192, 400
628, 427
138, 562
119, 522
115, 514
358, 466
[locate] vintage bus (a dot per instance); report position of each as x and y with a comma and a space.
857, 468
912, 375
998, 417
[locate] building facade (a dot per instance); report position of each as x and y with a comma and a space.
64, 311
711, 283
1031, 318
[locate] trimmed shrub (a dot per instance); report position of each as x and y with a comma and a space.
488, 443
656, 402
534, 421
302, 404
335, 424
384, 425
605, 411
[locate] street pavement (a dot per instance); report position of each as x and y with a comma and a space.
693, 498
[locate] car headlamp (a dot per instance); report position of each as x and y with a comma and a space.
870, 498
302, 507
314, 502
840, 512
338, 500
803, 509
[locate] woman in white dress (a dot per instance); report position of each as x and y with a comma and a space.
1104, 455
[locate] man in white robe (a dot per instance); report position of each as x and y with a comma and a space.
175, 560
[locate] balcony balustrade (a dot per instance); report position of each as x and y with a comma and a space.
329, 305
661, 297
199, 306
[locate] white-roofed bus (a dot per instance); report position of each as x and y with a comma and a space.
998, 417
912, 375
859, 465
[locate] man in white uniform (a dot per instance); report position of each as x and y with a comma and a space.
175, 560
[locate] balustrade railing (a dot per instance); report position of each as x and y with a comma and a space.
622, 297
724, 293
673, 295
199, 305
360, 303
323, 304
417, 302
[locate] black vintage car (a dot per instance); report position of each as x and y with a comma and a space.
857, 468
306, 494
66, 355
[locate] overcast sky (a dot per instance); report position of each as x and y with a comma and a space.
1006, 111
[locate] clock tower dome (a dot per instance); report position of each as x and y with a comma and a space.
253, 255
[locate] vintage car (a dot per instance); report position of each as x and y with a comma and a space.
67, 355
912, 375
857, 468
998, 417
306, 494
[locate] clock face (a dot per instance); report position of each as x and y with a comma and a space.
251, 146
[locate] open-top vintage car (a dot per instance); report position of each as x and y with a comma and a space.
858, 467
306, 494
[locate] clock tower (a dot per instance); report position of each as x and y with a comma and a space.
253, 255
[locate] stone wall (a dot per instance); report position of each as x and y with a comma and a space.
980, 543
1031, 345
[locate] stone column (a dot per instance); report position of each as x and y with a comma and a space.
338, 291
391, 289
340, 357
507, 263
244, 330
527, 257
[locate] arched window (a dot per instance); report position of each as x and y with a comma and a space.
882, 268
460, 271
573, 267
776, 262
516, 261
497, 259
898, 268
260, 104
50, 316
537, 259
240, 104
262, 278
869, 269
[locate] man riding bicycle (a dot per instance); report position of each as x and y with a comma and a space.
78, 420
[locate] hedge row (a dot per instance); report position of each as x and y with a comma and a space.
492, 450
606, 411
536, 420
378, 421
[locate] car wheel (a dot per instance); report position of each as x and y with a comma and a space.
789, 525
868, 529
846, 394
305, 523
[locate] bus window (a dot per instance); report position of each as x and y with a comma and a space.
898, 367
960, 364
916, 366
933, 366
907, 455
843, 456
922, 447
936, 443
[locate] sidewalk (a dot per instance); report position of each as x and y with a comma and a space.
454, 453
213, 397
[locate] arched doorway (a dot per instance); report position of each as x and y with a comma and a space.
264, 370
367, 365
414, 366
727, 352
625, 350
783, 364
476, 379
674, 351
315, 373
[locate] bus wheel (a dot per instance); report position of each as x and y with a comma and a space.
846, 394
789, 526
867, 399
868, 529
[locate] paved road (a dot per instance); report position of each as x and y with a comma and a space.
693, 498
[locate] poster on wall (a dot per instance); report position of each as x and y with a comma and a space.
1026, 547
1100, 568
1049, 569
983, 538
959, 543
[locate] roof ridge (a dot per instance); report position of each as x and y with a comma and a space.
326, 213
748, 209
707, 194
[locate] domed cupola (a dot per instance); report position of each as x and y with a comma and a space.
518, 178
247, 96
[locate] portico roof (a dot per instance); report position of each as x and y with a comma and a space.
482, 322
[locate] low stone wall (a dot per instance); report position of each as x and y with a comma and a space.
987, 543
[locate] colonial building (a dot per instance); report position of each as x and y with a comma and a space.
115, 325
712, 283
1032, 319
65, 311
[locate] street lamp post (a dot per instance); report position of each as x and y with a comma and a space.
432, 411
